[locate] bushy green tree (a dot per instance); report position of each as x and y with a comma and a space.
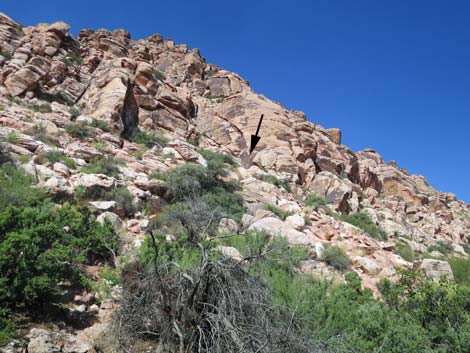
43, 246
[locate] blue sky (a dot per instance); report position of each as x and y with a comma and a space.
393, 75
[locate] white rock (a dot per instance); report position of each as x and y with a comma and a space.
435, 269
228, 225
319, 249
231, 252
61, 168
296, 221
103, 205
368, 265
84, 119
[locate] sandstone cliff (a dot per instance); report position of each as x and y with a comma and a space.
156, 85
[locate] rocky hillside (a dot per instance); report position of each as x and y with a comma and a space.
90, 98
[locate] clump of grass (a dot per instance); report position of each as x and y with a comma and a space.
2, 108
315, 201
100, 124
284, 183
12, 137
217, 99
40, 108
64, 97
56, 156
405, 251
218, 158
108, 165
137, 154
80, 130
363, 221
280, 213
336, 257
74, 113
158, 175
6, 55
443, 247
39, 132
159, 75
147, 139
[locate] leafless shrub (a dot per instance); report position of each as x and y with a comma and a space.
217, 307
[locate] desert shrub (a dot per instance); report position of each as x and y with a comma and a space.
279, 212
315, 201
2, 108
215, 98
336, 257
108, 165
284, 183
124, 200
4, 154
363, 221
7, 328
443, 247
43, 246
405, 251
216, 305
40, 108
461, 269
74, 113
12, 137
158, 174
192, 180
17, 188
80, 130
159, 75
100, 124
55, 156
79, 193
39, 132
6, 55
218, 158
147, 139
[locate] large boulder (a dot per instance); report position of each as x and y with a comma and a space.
436, 269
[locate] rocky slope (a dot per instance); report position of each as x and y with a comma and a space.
156, 85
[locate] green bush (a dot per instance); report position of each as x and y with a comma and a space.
12, 137
6, 55
443, 247
159, 75
217, 158
100, 124
335, 256
40, 108
315, 201
108, 165
405, 251
74, 113
80, 130
16, 188
147, 139
124, 200
363, 221
44, 246
2, 107
279, 212
284, 183
157, 174
39, 132
461, 269
55, 156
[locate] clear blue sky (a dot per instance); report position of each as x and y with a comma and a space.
393, 75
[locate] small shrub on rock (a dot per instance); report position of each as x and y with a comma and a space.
148, 139
336, 257
108, 165
284, 183
80, 130
279, 212
315, 201
362, 220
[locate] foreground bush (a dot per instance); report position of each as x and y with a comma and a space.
216, 306
44, 246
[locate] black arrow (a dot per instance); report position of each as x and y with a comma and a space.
255, 138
